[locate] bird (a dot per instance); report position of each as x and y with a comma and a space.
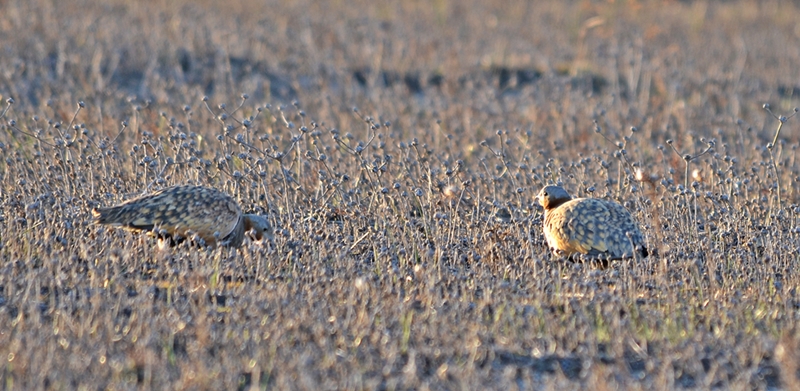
187, 212
589, 228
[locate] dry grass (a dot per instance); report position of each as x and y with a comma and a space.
409, 253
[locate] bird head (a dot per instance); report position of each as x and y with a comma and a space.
552, 196
258, 226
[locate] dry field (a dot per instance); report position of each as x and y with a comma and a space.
397, 146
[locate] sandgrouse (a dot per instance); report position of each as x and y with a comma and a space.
589, 228
181, 212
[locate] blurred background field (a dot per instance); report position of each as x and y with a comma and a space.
398, 146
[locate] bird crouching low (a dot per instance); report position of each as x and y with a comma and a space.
589, 228
187, 212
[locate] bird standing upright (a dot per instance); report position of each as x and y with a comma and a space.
589, 228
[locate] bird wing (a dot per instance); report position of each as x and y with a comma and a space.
588, 226
215, 213
627, 234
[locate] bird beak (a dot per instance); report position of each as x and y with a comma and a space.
252, 234
266, 237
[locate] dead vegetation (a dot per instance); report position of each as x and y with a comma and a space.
397, 148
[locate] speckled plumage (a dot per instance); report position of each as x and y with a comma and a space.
589, 228
184, 211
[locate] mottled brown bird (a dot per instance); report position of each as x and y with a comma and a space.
181, 212
589, 228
